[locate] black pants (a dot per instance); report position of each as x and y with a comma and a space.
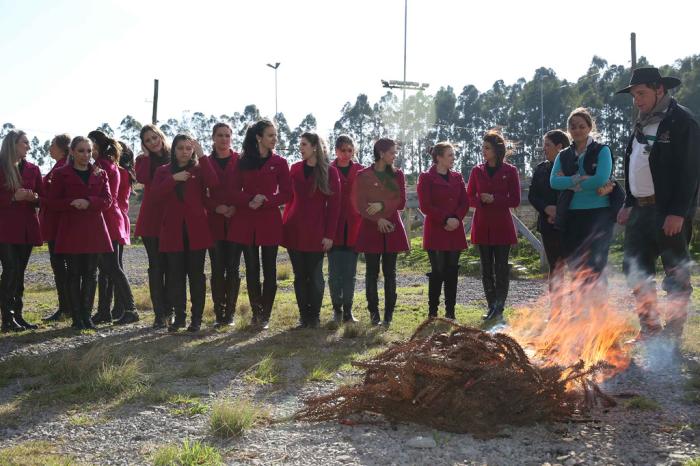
262, 297
495, 274
586, 239
14, 259
342, 268
388, 262
645, 242
59, 265
308, 284
105, 286
184, 266
157, 265
444, 270
82, 283
551, 240
225, 258
109, 265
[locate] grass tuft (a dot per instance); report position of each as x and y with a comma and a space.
187, 454
230, 419
265, 372
320, 373
34, 453
642, 404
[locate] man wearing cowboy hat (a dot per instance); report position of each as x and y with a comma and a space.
662, 169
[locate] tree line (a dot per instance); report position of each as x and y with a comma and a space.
522, 110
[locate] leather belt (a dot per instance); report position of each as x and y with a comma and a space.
646, 201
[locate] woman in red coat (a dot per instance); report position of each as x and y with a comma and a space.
20, 188
380, 193
181, 188
342, 258
156, 153
106, 152
442, 197
493, 189
127, 178
59, 149
79, 192
310, 222
224, 256
260, 186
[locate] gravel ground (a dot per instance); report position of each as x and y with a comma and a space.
620, 435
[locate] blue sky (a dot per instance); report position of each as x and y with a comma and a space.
71, 65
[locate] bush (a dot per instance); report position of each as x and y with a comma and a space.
231, 418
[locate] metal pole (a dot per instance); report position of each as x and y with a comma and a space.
541, 108
276, 93
154, 117
633, 44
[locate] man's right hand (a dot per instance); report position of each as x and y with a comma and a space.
623, 215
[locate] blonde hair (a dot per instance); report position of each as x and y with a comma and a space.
9, 159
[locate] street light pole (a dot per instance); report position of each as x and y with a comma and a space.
274, 67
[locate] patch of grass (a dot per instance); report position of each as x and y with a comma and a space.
284, 271
693, 462
81, 420
320, 373
188, 406
265, 372
642, 404
34, 453
230, 419
189, 453
120, 376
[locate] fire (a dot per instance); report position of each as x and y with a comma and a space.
575, 322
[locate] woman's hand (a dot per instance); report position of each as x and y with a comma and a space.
80, 204
230, 211
182, 176
486, 198
198, 152
385, 226
327, 244
374, 207
221, 209
452, 224
550, 211
24, 195
606, 188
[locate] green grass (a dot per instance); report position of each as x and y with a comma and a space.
642, 404
189, 453
188, 406
320, 373
264, 372
693, 462
34, 453
230, 419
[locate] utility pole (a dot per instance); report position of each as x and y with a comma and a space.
274, 67
633, 44
154, 117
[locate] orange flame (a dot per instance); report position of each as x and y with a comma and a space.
575, 322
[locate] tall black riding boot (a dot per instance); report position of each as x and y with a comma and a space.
105, 290
268, 300
158, 298
451, 291
87, 301
434, 285
233, 286
490, 293
389, 298
8, 320
301, 294
373, 301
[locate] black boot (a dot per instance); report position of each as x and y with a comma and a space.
196, 321
347, 314
389, 298
88, 299
451, 292
315, 302
490, 293
179, 322
372, 301
57, 316
268, 299
233, 286
105, 290
8, 321
20, 320
301, 294
337, 315
434, 285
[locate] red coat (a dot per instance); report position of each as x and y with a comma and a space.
263, 226
113, 215
19, 222
311, 215
440, 200
123, 196
492, 223
80, 231
47, 217
190, 212
368, 188
220, 195
349, 217
151, 214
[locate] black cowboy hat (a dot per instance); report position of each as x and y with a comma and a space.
648, 76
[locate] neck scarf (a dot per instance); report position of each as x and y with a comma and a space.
654, 116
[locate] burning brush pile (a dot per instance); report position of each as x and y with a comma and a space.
464, 381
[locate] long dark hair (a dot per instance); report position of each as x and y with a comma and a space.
106, 147
126, 161
498, 143
557, 136
383, 145
173, 160
250, 156
160, 158
321, 168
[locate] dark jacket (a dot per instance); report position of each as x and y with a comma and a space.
541, 194
674, 162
